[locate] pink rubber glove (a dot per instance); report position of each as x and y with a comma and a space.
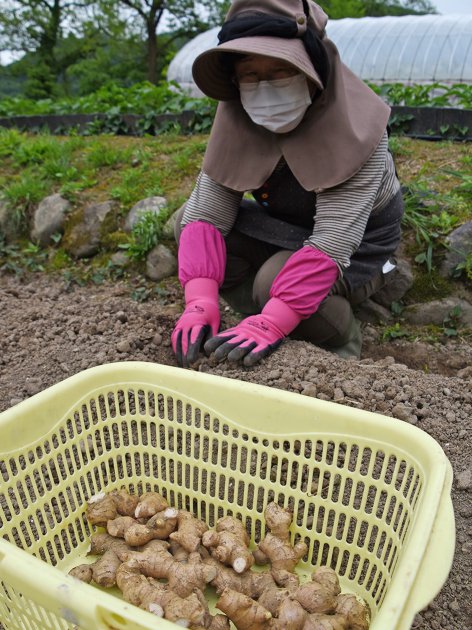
202, 260
305, 280
297, 291
256, 336
199, 321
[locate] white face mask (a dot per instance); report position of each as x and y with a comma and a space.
276, 105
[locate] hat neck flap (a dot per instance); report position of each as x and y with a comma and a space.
339, 133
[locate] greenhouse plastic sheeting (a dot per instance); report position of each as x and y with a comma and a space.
407, 49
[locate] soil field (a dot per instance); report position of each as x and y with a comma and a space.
50, 331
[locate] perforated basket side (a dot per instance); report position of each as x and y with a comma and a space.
357, 498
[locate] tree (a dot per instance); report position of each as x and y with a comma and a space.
37, 26
184, 18
337, 9
377, 8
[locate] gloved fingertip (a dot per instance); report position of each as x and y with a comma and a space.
222, 351
254, 357
215, 342
238, 353
211, 345
220, 356
177, 347
193, 352
250, 360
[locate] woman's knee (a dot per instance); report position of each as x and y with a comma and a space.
266, 276
330, 324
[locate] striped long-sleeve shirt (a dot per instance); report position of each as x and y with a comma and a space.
341, 212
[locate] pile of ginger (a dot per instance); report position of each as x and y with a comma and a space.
162, 559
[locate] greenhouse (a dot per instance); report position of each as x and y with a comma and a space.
408, 49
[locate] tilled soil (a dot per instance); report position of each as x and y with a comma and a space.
50, 331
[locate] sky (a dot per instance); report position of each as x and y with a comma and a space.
453, 6
445, 7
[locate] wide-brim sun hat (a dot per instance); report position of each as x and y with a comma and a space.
213, 76
272, 28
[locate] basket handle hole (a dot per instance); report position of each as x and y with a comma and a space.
111, 619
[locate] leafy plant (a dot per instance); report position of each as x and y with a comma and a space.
141, 294
23, 192
426, 216
426, 95
18, 259
144, 236
394, 332
112, 99
452, 321
111, 123
466, 180
400, 122
464, 268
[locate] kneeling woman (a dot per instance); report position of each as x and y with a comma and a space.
308, 140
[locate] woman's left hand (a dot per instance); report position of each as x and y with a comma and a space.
250, 341
255, 337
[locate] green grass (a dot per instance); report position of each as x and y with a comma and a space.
123, 168
438, 198
89, 169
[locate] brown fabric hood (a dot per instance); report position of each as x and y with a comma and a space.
340, 130
338, 134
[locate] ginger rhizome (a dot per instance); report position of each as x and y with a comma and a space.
246, 613
163, 559
189, 531
229, 543
276, 547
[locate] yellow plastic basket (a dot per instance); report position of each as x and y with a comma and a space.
370, 494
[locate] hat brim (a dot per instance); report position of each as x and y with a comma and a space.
212, 76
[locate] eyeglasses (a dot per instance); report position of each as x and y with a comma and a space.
253, 76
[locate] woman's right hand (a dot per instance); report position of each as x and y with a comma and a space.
199, 321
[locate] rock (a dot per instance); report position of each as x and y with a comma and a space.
464, 479
120, 259
437, 311
398, 282
15, 401
168, 229
151, 204
157, 339
454, 605
403, 412
353, 389
123, 346
121, 317
459, 243
9, 226
49, 218
33, 386
84, 238
160, 263
372, 313
310, 390
385, 362
465, 373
